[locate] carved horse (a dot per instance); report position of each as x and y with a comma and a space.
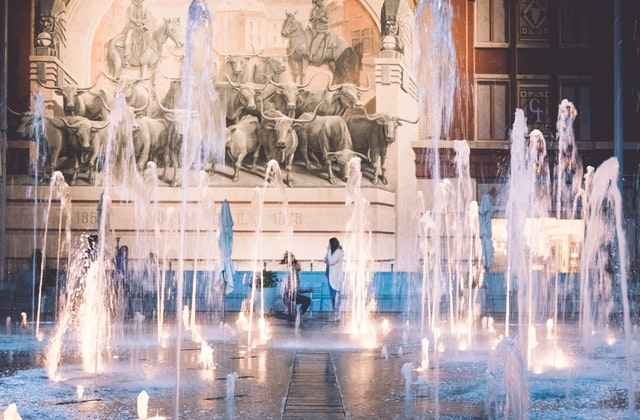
343, 60
170, 29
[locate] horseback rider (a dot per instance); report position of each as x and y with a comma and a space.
318, 29
135, 34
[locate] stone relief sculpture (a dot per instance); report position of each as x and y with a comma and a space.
273, 111
140, 44
317, 46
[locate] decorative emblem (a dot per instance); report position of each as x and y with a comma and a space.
534, 21
535, 100
534, 14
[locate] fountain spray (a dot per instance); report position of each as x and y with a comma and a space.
58, 188
358, 276
37, 134
201, 125
436, 73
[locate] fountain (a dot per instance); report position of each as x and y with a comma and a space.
59, 190
359, 302
442, 338
273, 178
507, 362
11, 413
206, 356
200, 121
231, 386
435, 67
143, 405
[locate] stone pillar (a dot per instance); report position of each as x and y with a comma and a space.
48, 71
396, 96
4, 33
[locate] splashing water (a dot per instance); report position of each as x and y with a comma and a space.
38, 135
359, 302
200, 122
436, 71
59, 190
569, 169
142, 405
527, 204
92, 299
205, 357
507, 372
604, 265
273, 179
11, 413
231, 385
407, 375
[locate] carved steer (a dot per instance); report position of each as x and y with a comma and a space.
279, 138
371, 136
81, 101
334, 100
238, 65
254, 68
284, 95
177, 121
90, 138
326, 138
150, 139
244, 100
54, 133
243, 140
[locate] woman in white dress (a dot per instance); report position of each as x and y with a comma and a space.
334, 261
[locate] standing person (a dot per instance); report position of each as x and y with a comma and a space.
334, 260
486, 235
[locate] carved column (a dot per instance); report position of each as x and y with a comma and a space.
4, 23
396, 96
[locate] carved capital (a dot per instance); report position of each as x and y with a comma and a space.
391, 71
49, 71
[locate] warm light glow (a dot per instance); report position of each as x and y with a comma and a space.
549, 328
424, 365
265, 330
463, 345
242, 323
195, 335
385, 326
490, 325
611, 340
186, 317
206, 356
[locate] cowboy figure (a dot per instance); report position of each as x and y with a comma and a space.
135, 33
319, 28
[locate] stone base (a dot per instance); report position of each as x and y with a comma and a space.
316, 214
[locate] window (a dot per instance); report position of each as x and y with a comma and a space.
578, 91
364, 37
492, 23
573, 23
492, 107
534, 24
534, 97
